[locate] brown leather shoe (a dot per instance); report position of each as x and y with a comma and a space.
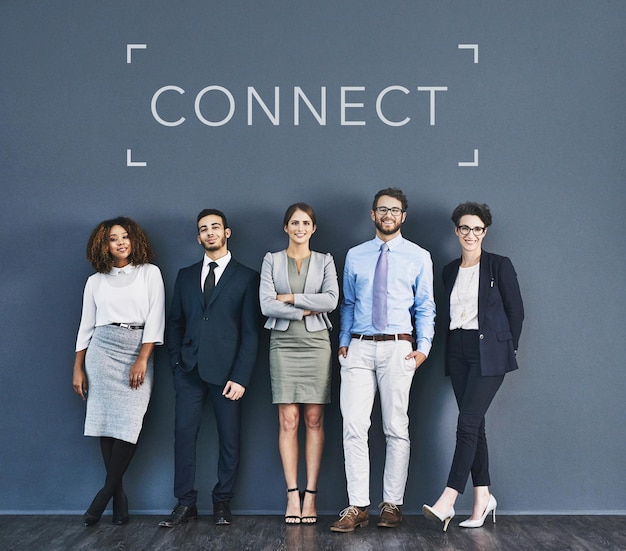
390, 515
350, 518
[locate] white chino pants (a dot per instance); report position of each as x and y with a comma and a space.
371, 366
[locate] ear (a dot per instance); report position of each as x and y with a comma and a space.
199, 240
285, 229
403, 216
227, 233
373, 215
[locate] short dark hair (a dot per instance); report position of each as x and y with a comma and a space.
209, 212
98, 252
473, 209
291, 209
394, 192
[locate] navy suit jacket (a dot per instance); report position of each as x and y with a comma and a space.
221, 339
500, 311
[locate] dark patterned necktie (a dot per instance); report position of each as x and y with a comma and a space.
209, 283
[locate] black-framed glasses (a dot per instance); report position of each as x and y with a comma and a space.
396, 211
476, 230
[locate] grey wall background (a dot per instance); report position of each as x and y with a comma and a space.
544, 106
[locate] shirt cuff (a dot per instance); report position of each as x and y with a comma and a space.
344, 339
424, 346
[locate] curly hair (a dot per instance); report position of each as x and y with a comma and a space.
98, 252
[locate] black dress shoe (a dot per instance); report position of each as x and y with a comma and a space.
180, 515
89, 519
97, 507
221, 514
120, 510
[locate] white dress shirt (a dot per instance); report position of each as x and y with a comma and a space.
219, 270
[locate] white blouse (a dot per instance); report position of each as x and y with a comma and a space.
464, 299
133, 294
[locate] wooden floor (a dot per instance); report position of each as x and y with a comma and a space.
65, 533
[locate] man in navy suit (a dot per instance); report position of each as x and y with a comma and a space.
212, 340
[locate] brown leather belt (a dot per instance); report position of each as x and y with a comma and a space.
398, 337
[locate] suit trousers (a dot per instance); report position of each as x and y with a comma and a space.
191, 394
474, 394
372, 366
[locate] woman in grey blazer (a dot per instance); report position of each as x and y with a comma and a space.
485, 314
298, 289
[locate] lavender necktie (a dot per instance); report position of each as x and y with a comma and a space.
379, 306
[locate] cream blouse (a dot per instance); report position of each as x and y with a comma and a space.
133, 294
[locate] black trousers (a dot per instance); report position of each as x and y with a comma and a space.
191, 394
474, 394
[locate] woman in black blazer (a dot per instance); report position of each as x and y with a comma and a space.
485, 314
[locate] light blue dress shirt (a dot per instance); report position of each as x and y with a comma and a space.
410, 292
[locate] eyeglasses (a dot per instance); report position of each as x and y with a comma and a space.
396, 211
477, 230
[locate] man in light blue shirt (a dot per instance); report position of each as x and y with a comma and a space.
388, 307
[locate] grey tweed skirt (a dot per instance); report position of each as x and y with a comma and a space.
113, 408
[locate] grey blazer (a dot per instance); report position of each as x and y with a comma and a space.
321, 292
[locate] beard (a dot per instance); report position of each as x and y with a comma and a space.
387, 231
216, 246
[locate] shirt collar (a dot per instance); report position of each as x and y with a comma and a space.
125, 270
221, 262
393, 243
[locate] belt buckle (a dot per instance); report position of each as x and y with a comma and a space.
125, 325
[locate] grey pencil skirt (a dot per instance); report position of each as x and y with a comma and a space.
300, 366
113, 408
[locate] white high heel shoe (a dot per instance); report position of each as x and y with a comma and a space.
491, 508
433, 515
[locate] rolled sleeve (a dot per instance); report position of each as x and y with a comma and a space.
154, 327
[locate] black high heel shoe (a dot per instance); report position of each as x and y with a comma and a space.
292, 519
120, 510
309, 519
97, 507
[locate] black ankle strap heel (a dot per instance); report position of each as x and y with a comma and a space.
309, 519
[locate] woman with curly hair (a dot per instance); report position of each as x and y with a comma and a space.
123, 318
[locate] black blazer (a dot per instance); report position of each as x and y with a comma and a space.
500, 312
222, 340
